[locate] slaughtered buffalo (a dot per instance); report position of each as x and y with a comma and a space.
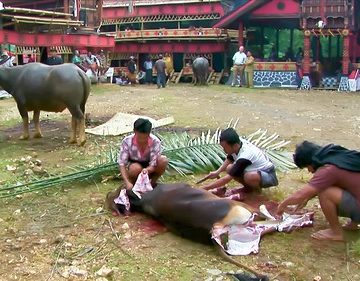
189, 211
37, 87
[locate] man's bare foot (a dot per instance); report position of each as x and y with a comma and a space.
351, 226
327, 234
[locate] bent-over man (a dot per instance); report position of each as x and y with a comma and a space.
244, 163
336, 182
141, 152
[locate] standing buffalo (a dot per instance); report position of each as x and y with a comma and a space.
200, 68
36, 87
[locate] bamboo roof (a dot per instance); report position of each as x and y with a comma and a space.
16, 10
42, 20
125, 3
160, 18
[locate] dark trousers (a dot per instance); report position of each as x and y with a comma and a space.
161, 79
148, 76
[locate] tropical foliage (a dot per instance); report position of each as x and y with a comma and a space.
186, 154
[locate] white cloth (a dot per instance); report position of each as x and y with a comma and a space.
141, 186
244, 239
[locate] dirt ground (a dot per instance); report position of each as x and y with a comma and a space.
63, 232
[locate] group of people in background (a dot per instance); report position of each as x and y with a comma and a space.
97, 64
243, 68
161, 67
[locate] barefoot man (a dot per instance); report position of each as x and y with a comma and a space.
336, 182
141, 152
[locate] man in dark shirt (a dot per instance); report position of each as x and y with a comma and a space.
160, 67
336, 182
131, 65
54, 59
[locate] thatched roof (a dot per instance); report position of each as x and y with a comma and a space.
120, 3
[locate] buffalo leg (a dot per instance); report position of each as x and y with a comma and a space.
25, 117
73, 130
81, 126
36, 118
77, 124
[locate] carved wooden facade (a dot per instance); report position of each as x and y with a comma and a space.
334, 14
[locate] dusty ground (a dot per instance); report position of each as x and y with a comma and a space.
45, 233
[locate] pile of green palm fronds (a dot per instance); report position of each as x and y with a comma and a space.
186, 154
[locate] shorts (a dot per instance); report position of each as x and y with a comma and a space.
349, 207
143, 164
268, 177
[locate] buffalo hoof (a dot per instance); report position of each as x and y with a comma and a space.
38, 136
24, 137
81, 142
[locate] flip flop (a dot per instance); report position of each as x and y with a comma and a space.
323, 237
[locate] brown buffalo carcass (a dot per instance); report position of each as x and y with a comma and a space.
37, 87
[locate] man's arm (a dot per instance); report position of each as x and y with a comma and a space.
123, 161
218, 183
125, 176
298, 198
155, 152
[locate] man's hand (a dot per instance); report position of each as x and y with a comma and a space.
213, 175
129, 186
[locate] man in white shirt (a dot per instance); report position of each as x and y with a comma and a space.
245, 163
239, 59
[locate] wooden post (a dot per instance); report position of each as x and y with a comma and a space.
262, 34
346, 55
277, 43
66, 7
306, 63
241, 33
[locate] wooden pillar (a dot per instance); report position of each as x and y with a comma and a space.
306, 63
291, 38
277, 43
66, 7
99, 11
262, 42
241, 34
346, 51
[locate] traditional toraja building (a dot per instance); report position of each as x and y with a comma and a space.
180, 29
327, 31
32, 27
316, 38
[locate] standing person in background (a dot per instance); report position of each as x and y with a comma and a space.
131, 66
92, 63
103, 63
77, 60
169, 63
239, 59
53, 58
249, 70
148, 67
160, 68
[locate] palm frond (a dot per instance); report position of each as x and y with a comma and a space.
186, 154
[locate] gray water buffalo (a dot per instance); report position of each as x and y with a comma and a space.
37, 87
200, 68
